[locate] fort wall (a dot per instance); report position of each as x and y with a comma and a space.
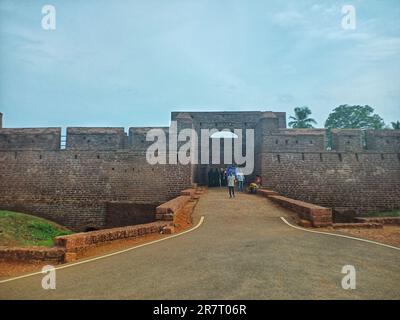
351, 182
95, 138
347, 140
30, 138
72, 187
383, 140
103, 170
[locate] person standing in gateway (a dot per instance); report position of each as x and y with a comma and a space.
231, 184
240, 179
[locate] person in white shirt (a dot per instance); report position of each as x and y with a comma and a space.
240, 179
231, 185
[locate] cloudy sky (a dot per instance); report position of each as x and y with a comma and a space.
130, 62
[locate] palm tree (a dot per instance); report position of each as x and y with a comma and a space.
396, 125
301, 119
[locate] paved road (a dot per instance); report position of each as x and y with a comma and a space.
242, 251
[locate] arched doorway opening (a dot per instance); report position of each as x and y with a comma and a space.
213, 173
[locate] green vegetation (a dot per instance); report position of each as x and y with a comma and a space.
354, 117
18, 229
394, 213
301, 118
396, 125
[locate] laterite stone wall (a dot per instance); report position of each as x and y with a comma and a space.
72, 187
342, 181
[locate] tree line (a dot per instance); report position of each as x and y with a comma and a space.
343, 117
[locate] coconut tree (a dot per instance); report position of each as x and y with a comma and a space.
396, 125
301, 118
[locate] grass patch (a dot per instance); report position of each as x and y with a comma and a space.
394, 213
19, 229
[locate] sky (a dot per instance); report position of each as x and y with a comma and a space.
126, 63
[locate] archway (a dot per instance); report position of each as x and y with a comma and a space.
224, 134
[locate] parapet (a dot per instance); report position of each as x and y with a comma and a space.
383, 140
347, 140
79, 138
184, 116
30, 138
227, 119
137, 137
296, 140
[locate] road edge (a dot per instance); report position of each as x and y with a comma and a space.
109, 254
340, 235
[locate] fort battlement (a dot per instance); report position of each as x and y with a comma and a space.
72, 185
30, 138
270, 130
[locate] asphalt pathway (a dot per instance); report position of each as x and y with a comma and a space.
243, 250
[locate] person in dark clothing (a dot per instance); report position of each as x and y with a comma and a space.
217, 178
210, 178
223, 177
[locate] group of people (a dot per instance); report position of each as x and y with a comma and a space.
223, 177
227, 177
217, 177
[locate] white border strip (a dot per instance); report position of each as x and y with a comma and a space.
110, 254
340, 235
